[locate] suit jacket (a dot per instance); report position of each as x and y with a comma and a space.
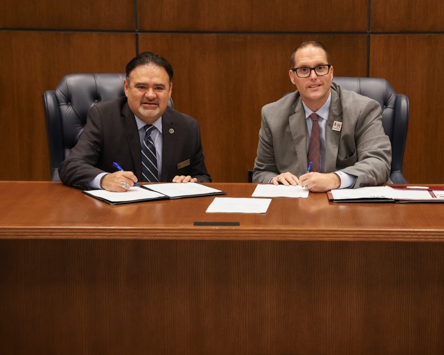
360, 148
111, 135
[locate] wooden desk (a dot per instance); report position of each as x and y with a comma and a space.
78, 276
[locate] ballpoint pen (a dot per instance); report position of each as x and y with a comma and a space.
120, 168
308, 170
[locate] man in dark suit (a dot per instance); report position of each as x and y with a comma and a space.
338, 131
117, 131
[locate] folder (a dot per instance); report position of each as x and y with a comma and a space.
154, 192
391, 194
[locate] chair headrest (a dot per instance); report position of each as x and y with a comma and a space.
81, 91
377, 89
77, 93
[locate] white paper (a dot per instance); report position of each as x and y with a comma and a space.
239, 205
401, 194
269, 190
132, 194
363, 192
179, 190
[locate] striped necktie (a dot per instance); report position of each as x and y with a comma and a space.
314, 149
149, 160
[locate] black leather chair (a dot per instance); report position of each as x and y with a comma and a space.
67, 106
395, 116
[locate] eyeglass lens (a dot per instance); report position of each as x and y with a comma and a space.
319, 70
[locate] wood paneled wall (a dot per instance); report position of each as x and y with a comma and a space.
230, 58
254, 16
31, 63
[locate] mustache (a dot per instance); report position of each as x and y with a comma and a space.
145, 101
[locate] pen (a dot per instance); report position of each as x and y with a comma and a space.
120, 168
309, 167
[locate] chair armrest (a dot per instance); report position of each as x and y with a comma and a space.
398, 178
400, 126
53, 132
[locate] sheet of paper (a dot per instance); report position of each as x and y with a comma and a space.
179, 190
401, 194
363, 192
132, 194
270, 190
239, 205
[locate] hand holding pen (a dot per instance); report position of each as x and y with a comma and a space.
120, 168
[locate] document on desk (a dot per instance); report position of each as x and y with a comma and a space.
167, 191
269, 190
239, 205
190, 189
386, 194
134, 194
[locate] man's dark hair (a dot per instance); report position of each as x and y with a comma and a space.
148, 58
306, 44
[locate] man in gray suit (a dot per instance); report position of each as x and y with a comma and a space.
338, 131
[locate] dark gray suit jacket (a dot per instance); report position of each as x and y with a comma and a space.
111, 135
360, 148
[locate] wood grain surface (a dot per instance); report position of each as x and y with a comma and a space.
55, 211
407, 16
254, 16
79, 276
69, 15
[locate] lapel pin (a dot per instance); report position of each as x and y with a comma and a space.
337, 126
171, 131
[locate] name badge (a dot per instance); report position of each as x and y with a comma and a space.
183, 164
337, 126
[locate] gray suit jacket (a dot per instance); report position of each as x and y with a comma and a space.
111, 135
361, 148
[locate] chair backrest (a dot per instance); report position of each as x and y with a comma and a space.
66, 109
395, 115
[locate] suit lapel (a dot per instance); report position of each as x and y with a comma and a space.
298, 129
169, 142
132, 136
332, 137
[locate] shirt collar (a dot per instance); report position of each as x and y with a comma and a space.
322, 112
141, 124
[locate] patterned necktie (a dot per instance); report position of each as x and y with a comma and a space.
149, 160
314, 150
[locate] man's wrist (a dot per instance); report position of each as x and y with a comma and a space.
347, 180
96, 183
101, 180
336, 181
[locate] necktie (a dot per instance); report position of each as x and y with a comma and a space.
149, 160
314, 149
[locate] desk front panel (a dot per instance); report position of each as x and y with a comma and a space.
220, 297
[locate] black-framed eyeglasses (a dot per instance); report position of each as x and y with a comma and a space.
305, 72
